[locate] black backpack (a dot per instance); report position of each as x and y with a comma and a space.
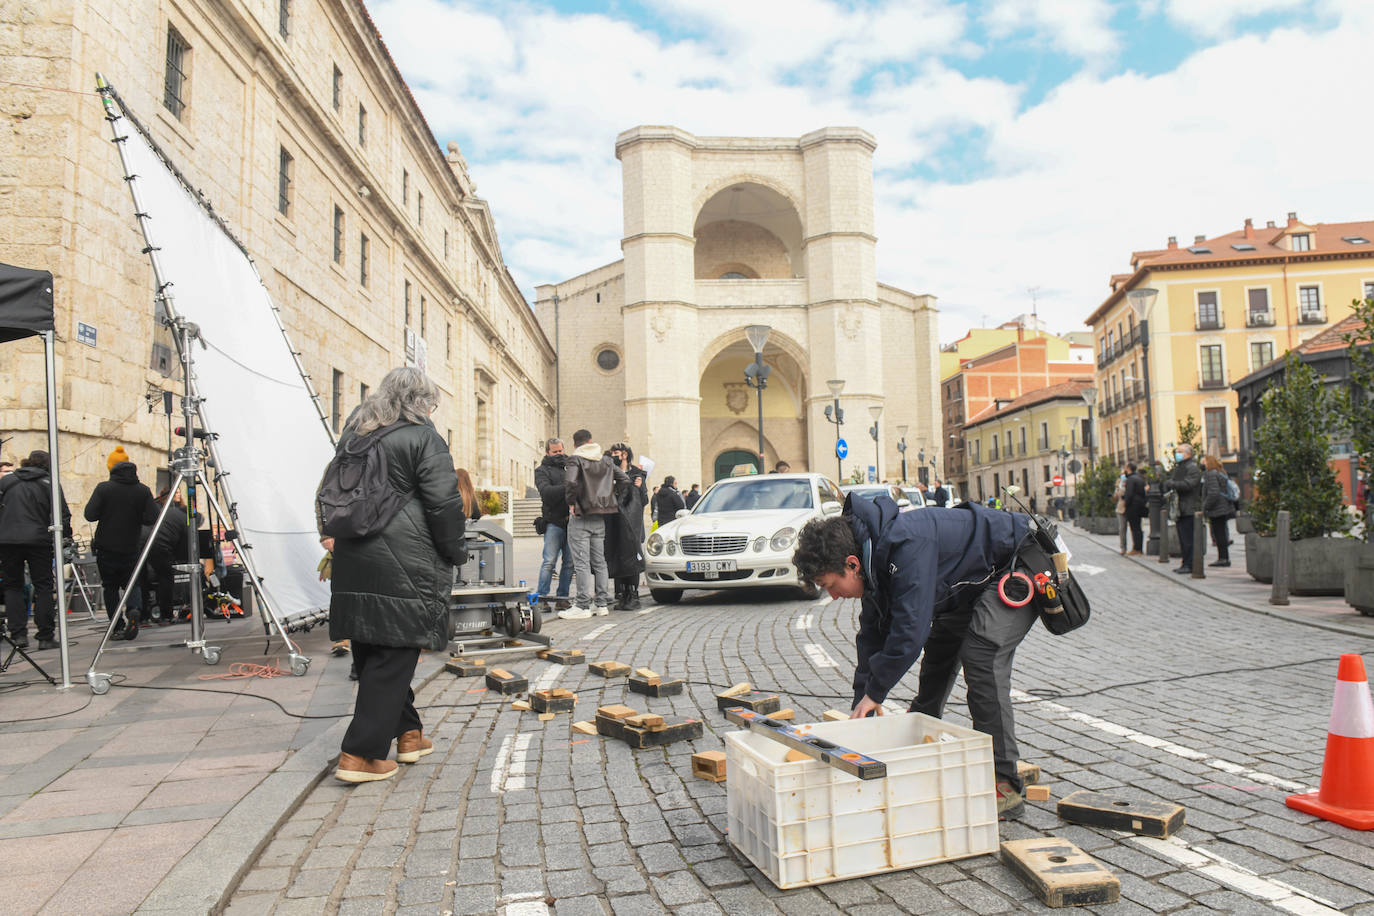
356, 498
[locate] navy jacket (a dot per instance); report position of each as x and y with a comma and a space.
918, 565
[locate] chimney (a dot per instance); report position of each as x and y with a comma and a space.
1199, 239
1269, 224
1173, 242
1292, 218
1249, 229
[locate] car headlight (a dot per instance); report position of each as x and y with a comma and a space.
783, 539
672, 548
655, 544
759, 544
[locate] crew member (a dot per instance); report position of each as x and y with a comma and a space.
929, 580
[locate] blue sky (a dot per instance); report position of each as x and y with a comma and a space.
1021, 143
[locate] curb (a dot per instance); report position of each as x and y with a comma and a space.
206, 877
1277, 613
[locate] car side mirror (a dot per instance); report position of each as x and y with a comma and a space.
903, 503
681, 513
831, 508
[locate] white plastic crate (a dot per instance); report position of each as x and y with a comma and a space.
808, 823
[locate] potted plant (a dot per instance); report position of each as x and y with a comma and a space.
1292, 446
1096, 507
1359, 571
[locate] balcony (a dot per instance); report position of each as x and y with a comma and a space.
1210, 382
1209, 323
1111, 353
1312, 316
1263, 319
1043, 445
1021, 448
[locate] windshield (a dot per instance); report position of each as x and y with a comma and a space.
756, 494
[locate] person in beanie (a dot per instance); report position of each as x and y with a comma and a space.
120, 507
26, 540
118, 456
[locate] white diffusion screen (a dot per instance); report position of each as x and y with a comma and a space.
271, 440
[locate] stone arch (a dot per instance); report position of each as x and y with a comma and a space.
776, 338
728, 181
752, 223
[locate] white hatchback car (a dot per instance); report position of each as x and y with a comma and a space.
740, 534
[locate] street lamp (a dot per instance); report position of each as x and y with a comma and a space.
901, 448
875, 412
756, 374
1090, 396
835, 414
1142, 300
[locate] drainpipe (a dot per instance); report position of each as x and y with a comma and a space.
557, 374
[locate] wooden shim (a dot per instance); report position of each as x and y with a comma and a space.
645, 720
520, 706
796, 757
1029, 772
736, 690
609, 668
672, 731
502, 673
1037, 793
709, 765
545, 716
617, 711
542, 654
754, 700
560, 692
783, 715
565, 656
834, 715
662, 689
584, 728
1060, 873
1098, 809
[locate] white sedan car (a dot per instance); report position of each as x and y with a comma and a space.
741, 534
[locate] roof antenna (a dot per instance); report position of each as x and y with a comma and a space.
1034, 310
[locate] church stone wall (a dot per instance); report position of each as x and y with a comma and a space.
732, 245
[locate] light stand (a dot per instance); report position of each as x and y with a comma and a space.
1141, 301
1089, 396
875, 412
901, 449
834, 413
756, 375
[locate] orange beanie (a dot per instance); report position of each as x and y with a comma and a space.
116, 457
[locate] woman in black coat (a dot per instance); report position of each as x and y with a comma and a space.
625, 532
390, 590
1217, 507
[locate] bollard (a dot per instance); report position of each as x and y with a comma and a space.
1283, 559
1199, 545
1164, 533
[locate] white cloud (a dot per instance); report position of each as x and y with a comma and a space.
1078, 27
1218, 17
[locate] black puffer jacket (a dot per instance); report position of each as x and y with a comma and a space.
26, 508
625, 532
1214, 501
917, 566
666, 502
549, 478
392, 588
121, 506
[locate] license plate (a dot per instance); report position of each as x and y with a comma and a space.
711, 568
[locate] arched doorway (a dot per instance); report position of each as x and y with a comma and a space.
729, 411
728, 460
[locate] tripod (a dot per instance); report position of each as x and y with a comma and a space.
15, 650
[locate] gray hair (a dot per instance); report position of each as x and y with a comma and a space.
551, 443
405, 394
1186, 449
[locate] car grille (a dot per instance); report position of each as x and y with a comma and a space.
709, 545
725, 576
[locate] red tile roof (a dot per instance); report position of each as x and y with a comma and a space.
1071, 390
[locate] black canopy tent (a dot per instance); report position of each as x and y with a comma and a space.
26, 310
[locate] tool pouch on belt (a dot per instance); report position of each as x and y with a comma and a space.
1058, 598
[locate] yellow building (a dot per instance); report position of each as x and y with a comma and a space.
1028, 441
978, 341
1224, 307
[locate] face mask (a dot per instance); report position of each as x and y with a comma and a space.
1178, 456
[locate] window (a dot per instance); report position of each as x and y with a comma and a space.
1211, 366
284, 169
405, 295
405, 187
1309, 303
1302, 241
1008, 443
363, 245
1258, 301
996, 483
1369, 289
1214, 428
362, 125
1044, 435
977, 451
1023, 440
448, 340
419, 208
1261, 353
445, 244
994, 442
1048, 475
608, 360
362, 392
338, 236
174, 78
336, 402
1207, 317
338, 88
284, 17
423, 310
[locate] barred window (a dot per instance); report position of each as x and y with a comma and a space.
363, 244
338, 88
338, 235
419, 208
284, 17
405, 186
406, 298
175, 78
285, 167
362, 125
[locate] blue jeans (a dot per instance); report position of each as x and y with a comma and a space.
555, 543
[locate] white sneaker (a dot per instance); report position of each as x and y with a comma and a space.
576, 613
602, 610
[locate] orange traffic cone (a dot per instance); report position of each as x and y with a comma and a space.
1346, 795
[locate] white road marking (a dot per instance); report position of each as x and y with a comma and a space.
524, 895
598, 631
825, 599
509, 771
1219, 869
546, 680
895, 709
819, 657
648, 610
528, 908
804, 622
1087, 569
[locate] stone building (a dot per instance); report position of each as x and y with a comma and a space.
294, 121
722, 233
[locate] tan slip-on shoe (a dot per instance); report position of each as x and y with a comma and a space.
352, 768
413, 745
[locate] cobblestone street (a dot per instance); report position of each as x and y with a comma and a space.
1167, 694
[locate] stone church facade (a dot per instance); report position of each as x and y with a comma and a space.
725, 232
294, 121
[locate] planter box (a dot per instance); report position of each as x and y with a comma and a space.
1259, 557
1359, 578
1319, 564
1096, 524
1244, 524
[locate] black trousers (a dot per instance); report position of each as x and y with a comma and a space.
38, 558
1185, 541
1221, 537
1137, 535
115, 570
385, 707
982, 639
160, 563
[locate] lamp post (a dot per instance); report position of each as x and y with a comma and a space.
756, 374
901, 449
1142, 300
1089, 396
835, 414
875, 412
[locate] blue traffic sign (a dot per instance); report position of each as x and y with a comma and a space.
841, 448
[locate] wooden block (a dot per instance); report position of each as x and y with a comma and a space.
465, 667
542, 654
649, 675
609, 726
562, 692
783, 715
709, 765
545, 701
672, 731
928, 739
584, 728
645, 720
504, 682
796, 757
545, 716
1098, 809
1060, 873
736, 690
1037, 793
753, 700
1029, 772
834, 715
609, 668
565, 656
617, 711
662, 689
520, 706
